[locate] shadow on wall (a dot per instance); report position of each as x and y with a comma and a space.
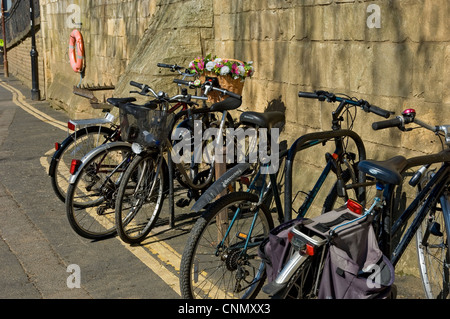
278, 106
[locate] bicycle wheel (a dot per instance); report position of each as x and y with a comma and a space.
215, 265
432, 243
91, 197
75, 146
140, 197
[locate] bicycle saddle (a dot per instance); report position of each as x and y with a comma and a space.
386, 171
266, 120
117, 101
229, 103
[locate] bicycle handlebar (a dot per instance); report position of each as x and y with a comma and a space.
331, 97
198, 84
408, 116
138, 85
172, 67
163, 96
397, 122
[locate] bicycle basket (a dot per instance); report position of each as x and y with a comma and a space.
145, 126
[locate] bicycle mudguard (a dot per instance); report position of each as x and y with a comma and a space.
219, 185
93, 153
56, 156
445, 205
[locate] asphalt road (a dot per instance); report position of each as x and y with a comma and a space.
39, 252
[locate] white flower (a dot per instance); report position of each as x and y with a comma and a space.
241, 70
191, 65
218, 60
225, 70
210, 65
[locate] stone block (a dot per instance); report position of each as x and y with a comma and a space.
446, 76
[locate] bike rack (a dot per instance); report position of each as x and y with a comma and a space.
301, 143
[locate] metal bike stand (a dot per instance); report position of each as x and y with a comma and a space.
171, 197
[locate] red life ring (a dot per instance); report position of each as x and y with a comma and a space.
76, 51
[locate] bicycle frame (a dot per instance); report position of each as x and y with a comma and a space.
431, 192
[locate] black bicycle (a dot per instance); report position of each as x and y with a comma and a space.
428, 208
89, 134
95, 179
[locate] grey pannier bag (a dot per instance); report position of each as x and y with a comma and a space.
355, 267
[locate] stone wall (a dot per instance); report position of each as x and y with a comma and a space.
111, 31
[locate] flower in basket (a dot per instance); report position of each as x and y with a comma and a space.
223, 67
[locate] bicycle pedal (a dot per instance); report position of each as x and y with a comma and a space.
182, 202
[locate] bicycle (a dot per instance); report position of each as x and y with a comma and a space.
139, 189
95, 178
430, 223
214, 263
87, 135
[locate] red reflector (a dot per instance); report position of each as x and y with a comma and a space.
245, 180
57, 146
74, 166
71, 126
309, 250
354, 207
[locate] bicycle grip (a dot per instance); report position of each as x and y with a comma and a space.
308, 95
184, 82
163, 65
385, 124
379, 111
136, 84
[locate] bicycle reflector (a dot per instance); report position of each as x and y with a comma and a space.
300, 243
71, 126
355, 207
57, 146
74, 166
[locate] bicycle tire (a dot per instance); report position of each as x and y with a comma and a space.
133, 223
200, 174
75, 146
432, 244
227, 262
91, 197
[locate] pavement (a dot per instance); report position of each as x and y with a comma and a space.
39, 250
